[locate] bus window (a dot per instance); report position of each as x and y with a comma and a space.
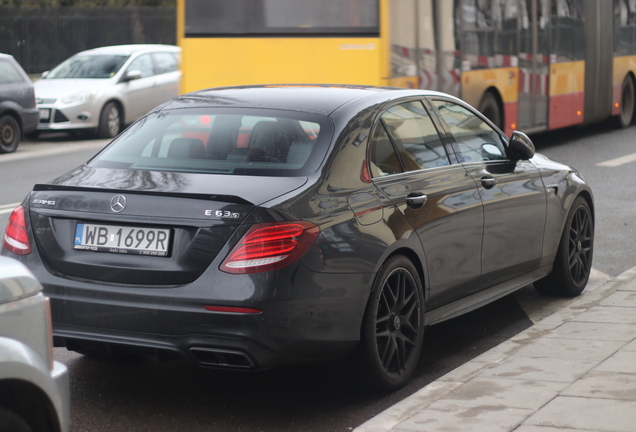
222, 17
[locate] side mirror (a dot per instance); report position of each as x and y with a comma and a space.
44, 74
521, 145
132, 75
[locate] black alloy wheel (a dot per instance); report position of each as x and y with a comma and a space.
393, 326
628, 101
573, 262
10, 134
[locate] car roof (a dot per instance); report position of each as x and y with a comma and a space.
312, 98
132, 48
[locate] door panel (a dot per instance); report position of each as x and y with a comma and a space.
514, 218
449, 226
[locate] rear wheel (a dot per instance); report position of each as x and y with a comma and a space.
109, 121
10, 134
490, 108
628, 99
393, 326
573, 261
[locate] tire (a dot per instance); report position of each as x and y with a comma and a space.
110, 121
393, 326
10, 134
628, 100
573, 261
489, 106
12, 422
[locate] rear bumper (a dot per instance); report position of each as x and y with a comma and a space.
320, 322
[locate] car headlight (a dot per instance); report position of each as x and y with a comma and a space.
74, 98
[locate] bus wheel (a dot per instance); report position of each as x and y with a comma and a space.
490, 108
628, 97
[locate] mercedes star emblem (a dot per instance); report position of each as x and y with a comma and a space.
118, 203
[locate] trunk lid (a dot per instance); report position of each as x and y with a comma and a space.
163, 229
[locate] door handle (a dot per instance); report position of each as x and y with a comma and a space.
488, 182
416, 200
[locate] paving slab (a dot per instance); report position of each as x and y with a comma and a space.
512, 393
587, 414
565, 348
546, 369
595, 331
450, 416
608, 314
623, 362
621, 298
604, 385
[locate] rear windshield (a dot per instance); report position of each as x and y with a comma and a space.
89, 66
228, 141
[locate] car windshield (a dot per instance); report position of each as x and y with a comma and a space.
222, 141
89, 66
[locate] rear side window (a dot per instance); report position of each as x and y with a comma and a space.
165, 62
8, 73
252, 142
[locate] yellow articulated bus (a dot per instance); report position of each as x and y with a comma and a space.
532, 65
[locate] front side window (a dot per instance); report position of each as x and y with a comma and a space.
88, 66
476, 140
212, 141
302, 17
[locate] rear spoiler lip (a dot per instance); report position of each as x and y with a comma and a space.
208, 197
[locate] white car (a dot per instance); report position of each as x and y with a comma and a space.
103, 89
34, 389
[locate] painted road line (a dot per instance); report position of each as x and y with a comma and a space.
8, 208
618, 161
34, 151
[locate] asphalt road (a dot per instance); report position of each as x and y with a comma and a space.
142, 395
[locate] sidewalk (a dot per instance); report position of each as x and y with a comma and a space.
572, 371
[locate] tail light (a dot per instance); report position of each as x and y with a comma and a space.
270, 246
16, 238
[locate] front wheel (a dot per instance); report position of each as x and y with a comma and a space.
393, 326
573, 262
10, 134
109, 121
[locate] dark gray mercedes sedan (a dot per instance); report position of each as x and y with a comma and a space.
253, 227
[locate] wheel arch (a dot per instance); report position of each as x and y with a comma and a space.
414, 257
13, 113
31, 403
494, 91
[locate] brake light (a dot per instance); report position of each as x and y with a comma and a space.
270, 246
16, 238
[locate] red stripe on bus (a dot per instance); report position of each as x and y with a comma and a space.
566, 109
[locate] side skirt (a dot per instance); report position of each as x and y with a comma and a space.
481, 298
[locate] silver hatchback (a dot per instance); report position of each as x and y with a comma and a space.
103, 89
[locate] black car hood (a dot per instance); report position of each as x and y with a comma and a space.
254, 190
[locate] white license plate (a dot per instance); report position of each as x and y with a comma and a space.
45, 114
122, 239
